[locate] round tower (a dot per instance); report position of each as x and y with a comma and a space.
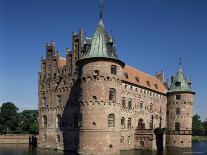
100, 71
180, 111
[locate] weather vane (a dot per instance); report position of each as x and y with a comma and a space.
101, 7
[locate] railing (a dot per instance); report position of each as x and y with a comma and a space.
179, 132
144, 131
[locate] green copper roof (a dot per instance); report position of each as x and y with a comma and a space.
101, 45
179, 83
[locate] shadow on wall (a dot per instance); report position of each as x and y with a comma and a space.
71, 120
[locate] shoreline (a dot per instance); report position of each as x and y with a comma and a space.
199, 138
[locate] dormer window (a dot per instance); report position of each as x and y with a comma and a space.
113, 69
156, 86
148, 83
126, 75
137, 79
178, 84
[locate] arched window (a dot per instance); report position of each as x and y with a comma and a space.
141, 106
123, 102
123, 123
111, 120
130, 103
151, 122
113, 69
112, 94
122, 140
58, 139
142, 143
177, 126
58, 120
44, 120
129, 123
151, 107
141, 124
58, 100
43, 102
129, 140
44, 138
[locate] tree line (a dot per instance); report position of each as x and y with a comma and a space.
26, 122
14, 122
199, 128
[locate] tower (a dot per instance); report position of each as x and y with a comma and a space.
100, 73
179, 111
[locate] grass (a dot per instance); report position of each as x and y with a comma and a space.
199, 138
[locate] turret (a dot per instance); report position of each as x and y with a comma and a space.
179, 111
100, 87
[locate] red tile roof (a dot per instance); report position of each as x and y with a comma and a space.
62, 62
140, 78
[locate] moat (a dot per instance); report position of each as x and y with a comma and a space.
23, 149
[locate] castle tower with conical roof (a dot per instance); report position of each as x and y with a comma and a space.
179, 111
100, 73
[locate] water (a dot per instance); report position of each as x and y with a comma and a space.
198, 148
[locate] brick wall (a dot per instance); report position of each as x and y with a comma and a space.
14, 139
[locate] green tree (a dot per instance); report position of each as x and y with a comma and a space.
8, 118
29, 121
197, 126
205, 127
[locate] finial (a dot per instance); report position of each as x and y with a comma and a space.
180, 63
101, 7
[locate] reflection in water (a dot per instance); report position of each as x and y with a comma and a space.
24, 149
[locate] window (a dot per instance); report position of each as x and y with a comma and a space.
129, 140
178, 97
141, 124
58, 120
178, 84
142, 143
44, 121
177, 111
112, 94
126, 75
58, 100
123, 103
96, 72
141, 106
54, 76
122, 140
44, 102
129, 123
44, 138
156, 86
123, 123
130, 104
58, 139
113, 69
151, 107
111, 120
148, 83
177, 126
137, 79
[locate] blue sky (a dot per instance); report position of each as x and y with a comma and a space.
150, 35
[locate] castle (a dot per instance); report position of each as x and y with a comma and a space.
92, 102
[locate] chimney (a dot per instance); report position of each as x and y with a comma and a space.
160, 76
